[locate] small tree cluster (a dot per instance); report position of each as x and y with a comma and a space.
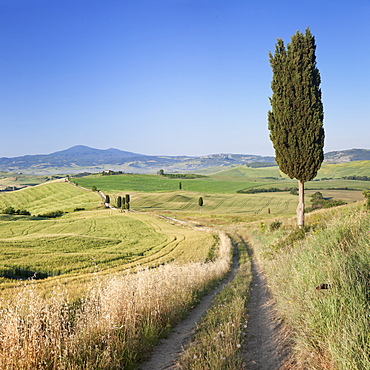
12, 211
53, 214
123, 202
318, 202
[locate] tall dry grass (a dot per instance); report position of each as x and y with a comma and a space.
112, 326
330, 326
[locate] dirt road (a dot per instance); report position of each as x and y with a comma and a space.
267, 341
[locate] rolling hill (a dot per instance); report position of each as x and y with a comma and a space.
85, 159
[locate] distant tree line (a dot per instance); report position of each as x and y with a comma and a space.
111, 172
183, 176
267, 190
291, 190
11, 188
12, 211
261, 164
82, 174
180, 175
53, 214
22, 212
358, 178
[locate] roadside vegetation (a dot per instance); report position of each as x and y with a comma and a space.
320, 277
112, 326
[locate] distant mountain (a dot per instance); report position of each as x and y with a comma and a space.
77, 156
85, 159
348, 156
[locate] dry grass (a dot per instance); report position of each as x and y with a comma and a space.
330, 326
112, 327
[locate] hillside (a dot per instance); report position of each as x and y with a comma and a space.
85, 159
348, 155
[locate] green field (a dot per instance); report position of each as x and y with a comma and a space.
93, 241
50, 196
154, 183
98, 239
230, 180
278, 203
219, 191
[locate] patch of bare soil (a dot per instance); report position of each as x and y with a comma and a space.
267, 344
165, 355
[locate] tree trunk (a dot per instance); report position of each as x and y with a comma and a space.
300, 208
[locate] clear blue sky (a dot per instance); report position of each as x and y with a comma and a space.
173, 77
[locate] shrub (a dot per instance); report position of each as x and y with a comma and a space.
366, 193
275, 225
9, 210
51, 214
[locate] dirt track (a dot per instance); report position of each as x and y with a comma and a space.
267, 342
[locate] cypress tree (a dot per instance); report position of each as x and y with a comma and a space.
296, 118
119, 202
127, 199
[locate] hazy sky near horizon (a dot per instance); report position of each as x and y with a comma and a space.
171, 77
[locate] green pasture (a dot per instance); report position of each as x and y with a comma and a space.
230, 180
217, 184
48, 197
278, 203
338, 170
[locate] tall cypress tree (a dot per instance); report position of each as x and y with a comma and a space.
119, 202
296, 118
